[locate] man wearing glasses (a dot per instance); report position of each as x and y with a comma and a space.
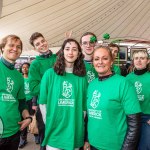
88, 41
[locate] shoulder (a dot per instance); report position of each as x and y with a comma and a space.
49, 72
93, 82
130, 75
54, 55
35, 62
18, 75
118, 80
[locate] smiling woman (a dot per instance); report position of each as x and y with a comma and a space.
116, 114
139, 78
62, 106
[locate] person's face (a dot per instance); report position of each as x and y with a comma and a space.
12, 50
87, 46
102, 62
114, 51
25, 69
140, 61
71, 53
41, 45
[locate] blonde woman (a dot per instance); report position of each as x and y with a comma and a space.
140, 78
112, 108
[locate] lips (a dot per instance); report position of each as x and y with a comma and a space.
70, 56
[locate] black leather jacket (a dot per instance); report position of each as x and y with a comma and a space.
133, 132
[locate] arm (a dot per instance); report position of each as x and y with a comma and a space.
25, 114
34, 79
34, 103
86, 144
43, 112
133, 132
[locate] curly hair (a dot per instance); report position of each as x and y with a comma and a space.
25, 63
78, 68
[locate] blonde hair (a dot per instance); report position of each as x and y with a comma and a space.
106, 48
142, 52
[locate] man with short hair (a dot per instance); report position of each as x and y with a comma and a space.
115, 52
88, 41
37, 69
12, 97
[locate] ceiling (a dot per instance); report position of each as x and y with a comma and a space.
122, 19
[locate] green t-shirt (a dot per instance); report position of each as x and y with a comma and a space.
65, 97
108, 103
90, 72
11, 90
37, 70
142, 86
116, 69
27, 89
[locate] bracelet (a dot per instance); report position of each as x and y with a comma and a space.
29, 117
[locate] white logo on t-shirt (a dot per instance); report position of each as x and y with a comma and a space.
66, 92
91, 76
67, 89
10, 84
95, 99
138, 86
95, 113
27, 89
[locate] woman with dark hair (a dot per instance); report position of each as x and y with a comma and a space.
24, 69
140, 78
62, 99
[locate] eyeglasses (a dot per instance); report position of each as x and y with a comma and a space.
85, 43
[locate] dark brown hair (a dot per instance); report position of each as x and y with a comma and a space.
78, 68
12, 37
114, 45
34, 36
87, 33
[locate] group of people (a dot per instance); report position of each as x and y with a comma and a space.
79, 96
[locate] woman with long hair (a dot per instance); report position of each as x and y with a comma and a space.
62, 99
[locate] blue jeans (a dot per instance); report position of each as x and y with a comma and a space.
144, 143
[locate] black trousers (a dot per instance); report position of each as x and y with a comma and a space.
10, 143
93, 148
41, 127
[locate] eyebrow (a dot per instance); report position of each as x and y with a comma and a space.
69, 47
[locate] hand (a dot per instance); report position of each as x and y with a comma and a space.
148, 122
24, 123
34, 108
86, 146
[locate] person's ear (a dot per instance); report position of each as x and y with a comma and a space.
34, 48
148, 61
2, 50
